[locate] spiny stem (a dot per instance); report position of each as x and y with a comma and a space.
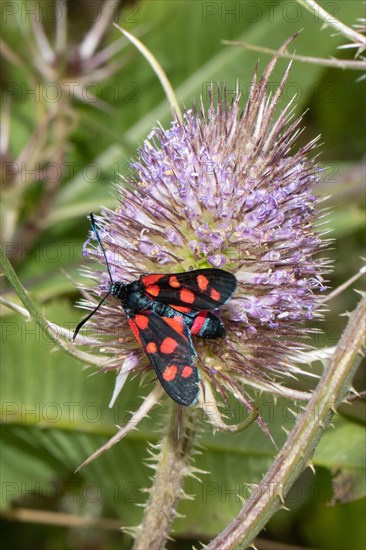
167, 488
297, 452
332, 21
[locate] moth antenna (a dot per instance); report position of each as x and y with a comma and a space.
96, 232
82, 323
95, 229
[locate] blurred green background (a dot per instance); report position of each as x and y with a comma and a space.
54, 413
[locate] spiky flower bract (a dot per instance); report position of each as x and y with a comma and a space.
226, 188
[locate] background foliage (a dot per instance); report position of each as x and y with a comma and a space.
55, 413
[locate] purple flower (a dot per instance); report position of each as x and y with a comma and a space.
224, 188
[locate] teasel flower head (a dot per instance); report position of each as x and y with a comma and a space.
75, 62
224, 187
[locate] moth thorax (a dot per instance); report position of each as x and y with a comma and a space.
118, 290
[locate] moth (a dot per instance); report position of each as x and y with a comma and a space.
164, 311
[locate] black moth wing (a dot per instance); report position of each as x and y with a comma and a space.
198, 290
167, 343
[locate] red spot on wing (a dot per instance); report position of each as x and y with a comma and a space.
186, 296
170, 373
202, 282
181, 309
151, 347
135, 330
199, 322
141, 321
215, 294
152, 279
153, 290
168, 345
176, 323
187, 372
173, 281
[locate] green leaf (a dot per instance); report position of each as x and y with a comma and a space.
342, 450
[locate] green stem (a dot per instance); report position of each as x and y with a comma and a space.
298, 450
167, 490
40, 319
